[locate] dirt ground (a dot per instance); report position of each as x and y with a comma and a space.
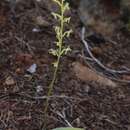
91, 106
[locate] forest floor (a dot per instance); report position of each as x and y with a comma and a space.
77, 101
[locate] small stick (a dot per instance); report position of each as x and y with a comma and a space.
63, 116
95, 59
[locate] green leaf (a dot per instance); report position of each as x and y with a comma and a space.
58, 31
67, 20
58, 2
53, 52
65, 51
55, 64
65, 7
57, 43
56, 16
68, 128
67, 33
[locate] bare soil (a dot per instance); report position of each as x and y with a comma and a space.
82, 104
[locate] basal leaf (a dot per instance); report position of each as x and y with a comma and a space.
68, 128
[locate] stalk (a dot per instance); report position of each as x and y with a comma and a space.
60, 51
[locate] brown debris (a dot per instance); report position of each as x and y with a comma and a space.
97, 51
83, 105
9, 81
40, 21
126, 77
88, 75
24, 59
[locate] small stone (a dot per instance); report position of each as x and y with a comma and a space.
39, 88
36, 30
32, 68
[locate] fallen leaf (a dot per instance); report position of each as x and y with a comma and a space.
126, 77
97, 51
24, 59
9, 81
19, 71
87, 75
2, 20
3, 15
40, 21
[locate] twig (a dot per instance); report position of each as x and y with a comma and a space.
107, 119
95, 59
111, 41
4, 39
112, 78
25, 43
57, 96
63, 116
2, 119
120, 80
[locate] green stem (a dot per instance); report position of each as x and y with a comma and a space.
50, 92
62, 26
52, 84
56, 69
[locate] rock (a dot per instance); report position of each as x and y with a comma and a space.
32, 68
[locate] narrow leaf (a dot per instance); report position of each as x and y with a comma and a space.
67, 128
56, 16
67, 20
67, 33
57, 1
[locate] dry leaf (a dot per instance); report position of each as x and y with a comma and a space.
87, 75
97, 51
24, 59
126, 77
9, 81
3, 20
19, 71
40, 21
